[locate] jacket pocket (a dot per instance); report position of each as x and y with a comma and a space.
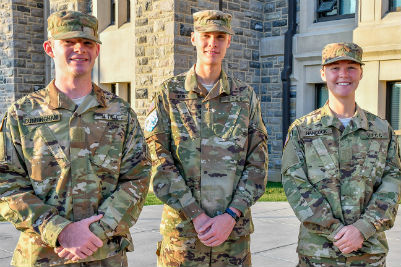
224, 122
48, 158
330, 164
107, 153
190, 124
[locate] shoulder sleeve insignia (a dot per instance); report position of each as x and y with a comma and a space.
151, 121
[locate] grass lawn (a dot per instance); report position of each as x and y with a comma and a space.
274, 192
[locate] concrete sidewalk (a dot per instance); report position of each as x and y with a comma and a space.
273, 243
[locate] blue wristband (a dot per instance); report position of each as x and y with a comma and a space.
232, 214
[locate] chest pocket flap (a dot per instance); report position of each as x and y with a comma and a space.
53, 146
330, 163
189, 122
372, 160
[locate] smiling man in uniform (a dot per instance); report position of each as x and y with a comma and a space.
208, 147
74, 170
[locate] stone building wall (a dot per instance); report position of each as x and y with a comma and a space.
6, 54
272, 64
154, 49
22, 57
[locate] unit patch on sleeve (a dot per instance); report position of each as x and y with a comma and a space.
151, 121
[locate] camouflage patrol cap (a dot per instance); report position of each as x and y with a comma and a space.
72, 24
341, 51
212, 21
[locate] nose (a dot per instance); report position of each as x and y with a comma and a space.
343, 72
78, 47
212, 41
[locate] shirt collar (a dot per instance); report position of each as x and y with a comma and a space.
191, 83
57, 99
358, 121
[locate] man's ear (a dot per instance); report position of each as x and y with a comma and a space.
229, 41
193, 38
322, 74
98, 49
47, 46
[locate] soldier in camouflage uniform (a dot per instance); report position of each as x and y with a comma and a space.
341, 172
74, 170
208, 146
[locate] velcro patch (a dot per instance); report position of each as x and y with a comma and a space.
109, 117
377, 135
318, 132
234, 98
42, 119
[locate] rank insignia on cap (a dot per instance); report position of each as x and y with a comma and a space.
151, 121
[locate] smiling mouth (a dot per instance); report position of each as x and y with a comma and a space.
79, 59
343, 84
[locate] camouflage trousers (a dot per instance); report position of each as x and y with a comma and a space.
119, 260
190, 252
360, 261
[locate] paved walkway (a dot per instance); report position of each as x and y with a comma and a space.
273, 243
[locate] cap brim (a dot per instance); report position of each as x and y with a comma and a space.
342, 58
76, 34
214, 28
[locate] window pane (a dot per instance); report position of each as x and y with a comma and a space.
395, 5
113, 12
322, 94
395, 106
347, 7
128, 10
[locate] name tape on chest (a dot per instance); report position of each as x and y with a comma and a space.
318, 132
190, 96
42, 119
109, 117
234, 98
373, 135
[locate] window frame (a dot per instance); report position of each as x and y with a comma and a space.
320, 18
389, 91
319, 87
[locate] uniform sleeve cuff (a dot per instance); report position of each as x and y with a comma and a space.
365, 227
53, 228
98, 230
192, 210
337, 227
239, 205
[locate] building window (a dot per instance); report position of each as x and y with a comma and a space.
113, 88
321, 95
395, 5
112, 12
335, 9
128, 10
129, 93
393, 109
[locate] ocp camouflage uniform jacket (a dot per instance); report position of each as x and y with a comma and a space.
60, 163
335, 177
208, 152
